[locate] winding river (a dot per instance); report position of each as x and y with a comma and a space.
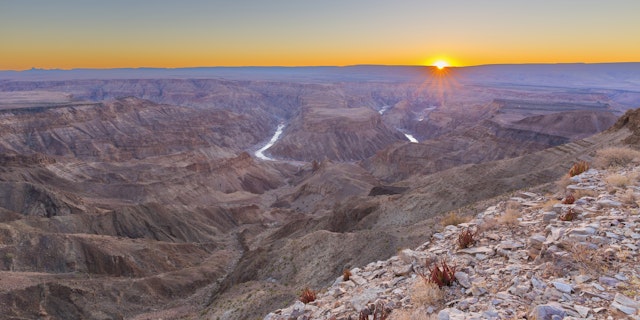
260, 153
411, 138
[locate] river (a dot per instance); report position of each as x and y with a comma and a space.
411, 138
260, 153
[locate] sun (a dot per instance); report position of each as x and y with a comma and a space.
440, 64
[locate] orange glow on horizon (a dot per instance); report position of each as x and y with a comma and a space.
440, 64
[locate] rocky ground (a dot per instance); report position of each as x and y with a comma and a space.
526, 262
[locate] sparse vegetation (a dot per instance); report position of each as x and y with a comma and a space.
615, 157
568, 215
581, 193
629, 197
548, 204
441, 275
466, 238
425, 293
569, 199
454, 218
563, 182
619, 180
307, 296
578, 168
346, 275
488, 223
511, 214
587, 259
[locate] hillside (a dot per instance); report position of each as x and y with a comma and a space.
524, 261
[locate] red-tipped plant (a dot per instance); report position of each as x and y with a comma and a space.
569, 215
466, 238
442, 275
569, 199
578, 168
346, 275
307, 296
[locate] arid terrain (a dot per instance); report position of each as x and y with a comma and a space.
139, 194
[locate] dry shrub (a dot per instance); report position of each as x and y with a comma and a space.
618, 180
562, 183
511, 214
307, 296
628, 197
578, 168
425, 293
466, 238
589, 260
487, 224
581, 193
454, 218
346, 275
514, 205
548, 204
615, 157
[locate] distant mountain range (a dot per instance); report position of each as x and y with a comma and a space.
601, 75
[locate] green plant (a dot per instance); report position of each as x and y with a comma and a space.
466, 238
568, 215
346, 275
578, 168
442, 275
569, 199
307, 296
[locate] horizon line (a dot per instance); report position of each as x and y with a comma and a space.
313, 66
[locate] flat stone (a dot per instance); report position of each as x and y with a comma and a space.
582, 278
538, 284
478, 250
597, 286
528, 194
549, 216
626, 301
606, 203
402, 270
463, 279
358, 280
608, 281
478, 290
362, 300
556, 234
621, 277
412, 257
547, 311
587, 231
623, 308
576, 187
510, 245
536, 241
582, 311
450, 314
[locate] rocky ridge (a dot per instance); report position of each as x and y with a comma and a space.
527, 262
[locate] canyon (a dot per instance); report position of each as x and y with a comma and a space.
222, 192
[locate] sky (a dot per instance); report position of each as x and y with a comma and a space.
69, 34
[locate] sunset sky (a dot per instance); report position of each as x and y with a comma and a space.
161, 33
